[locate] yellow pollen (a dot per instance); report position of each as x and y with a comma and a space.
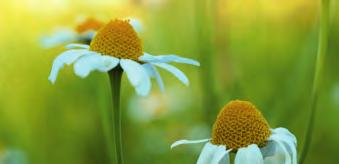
88, 25
240, 124
118, 39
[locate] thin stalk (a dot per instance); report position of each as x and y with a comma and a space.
115, 78
322, 48
106, 121
204, 25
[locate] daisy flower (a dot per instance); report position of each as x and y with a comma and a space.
241, 129
82, 33
117, 44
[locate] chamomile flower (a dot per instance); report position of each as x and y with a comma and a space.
117, 44
240, 128
82, 33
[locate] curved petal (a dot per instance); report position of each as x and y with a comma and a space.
68, 57
282, 146
135, 24
153, 72
221, 156
59, 37
249, 155
288, 144
285, 132
77, 45
269, 149
212, 154
175, 71
182, 142
167, 58
137, 75
273, 153
94, 61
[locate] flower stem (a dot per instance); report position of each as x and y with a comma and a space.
106, 120
205, 24
322, 47
115, 78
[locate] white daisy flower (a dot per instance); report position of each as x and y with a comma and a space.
118, 45
240, 128
83, 33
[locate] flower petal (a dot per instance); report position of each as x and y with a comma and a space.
77, 45
286, 133
283, 147
182, 142
135, 24
94, 61
212, 154
221, 156
269, 149
59, 37
68, 57
288, 142
167, 58
249, 155
175, 71
153, 72
137, 76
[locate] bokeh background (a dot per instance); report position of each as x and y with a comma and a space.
258, 50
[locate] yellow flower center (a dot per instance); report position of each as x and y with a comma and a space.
240, 124
118, 39
88, 25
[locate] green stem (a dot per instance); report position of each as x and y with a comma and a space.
115, 78
205, 24
106, 121
322, 47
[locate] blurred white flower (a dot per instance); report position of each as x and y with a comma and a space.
240, 128
83, 33
12, 156
118, 45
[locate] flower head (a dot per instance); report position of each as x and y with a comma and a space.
118, 39
118, 44
241, 128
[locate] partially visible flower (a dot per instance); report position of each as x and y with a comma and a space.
117, 45
12, 156
82, 33
240, 128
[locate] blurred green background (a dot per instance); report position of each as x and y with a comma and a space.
258, 50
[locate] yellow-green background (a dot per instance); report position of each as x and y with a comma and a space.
258, 50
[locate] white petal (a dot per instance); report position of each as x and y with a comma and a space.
282, 146
212, 154
288, 144
269, 149
167, 58
59, 37
94, 61
249, 155
273, 153
137, 76
135, 24
181, 142
286, 133
76, 45
153, 72
221, 156
175, 71
67, 57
